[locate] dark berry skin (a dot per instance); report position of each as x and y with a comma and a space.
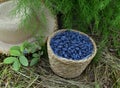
71, 45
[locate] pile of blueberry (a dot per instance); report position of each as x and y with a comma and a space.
71, 45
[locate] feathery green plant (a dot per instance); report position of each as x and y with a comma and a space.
31, 13
97, 17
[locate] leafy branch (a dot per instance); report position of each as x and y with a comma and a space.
19, 55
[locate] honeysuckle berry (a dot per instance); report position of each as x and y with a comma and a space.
71, 45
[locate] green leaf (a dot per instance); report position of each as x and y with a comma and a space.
35, 55
33, 48
41, 53
15, 53
23, 60
34, 61
15, 48
26, 44
22, 47
39, 47
16, 65
9, 60
97, 85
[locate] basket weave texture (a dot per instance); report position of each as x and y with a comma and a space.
64, 67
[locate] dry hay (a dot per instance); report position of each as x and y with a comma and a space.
104, 74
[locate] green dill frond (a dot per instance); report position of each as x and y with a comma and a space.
31, 13
98, 17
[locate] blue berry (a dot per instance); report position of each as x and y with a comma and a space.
71, 45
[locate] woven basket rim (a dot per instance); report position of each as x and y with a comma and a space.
65, 60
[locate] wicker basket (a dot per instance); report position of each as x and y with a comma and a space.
65, 67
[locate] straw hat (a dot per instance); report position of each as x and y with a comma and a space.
11, 34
